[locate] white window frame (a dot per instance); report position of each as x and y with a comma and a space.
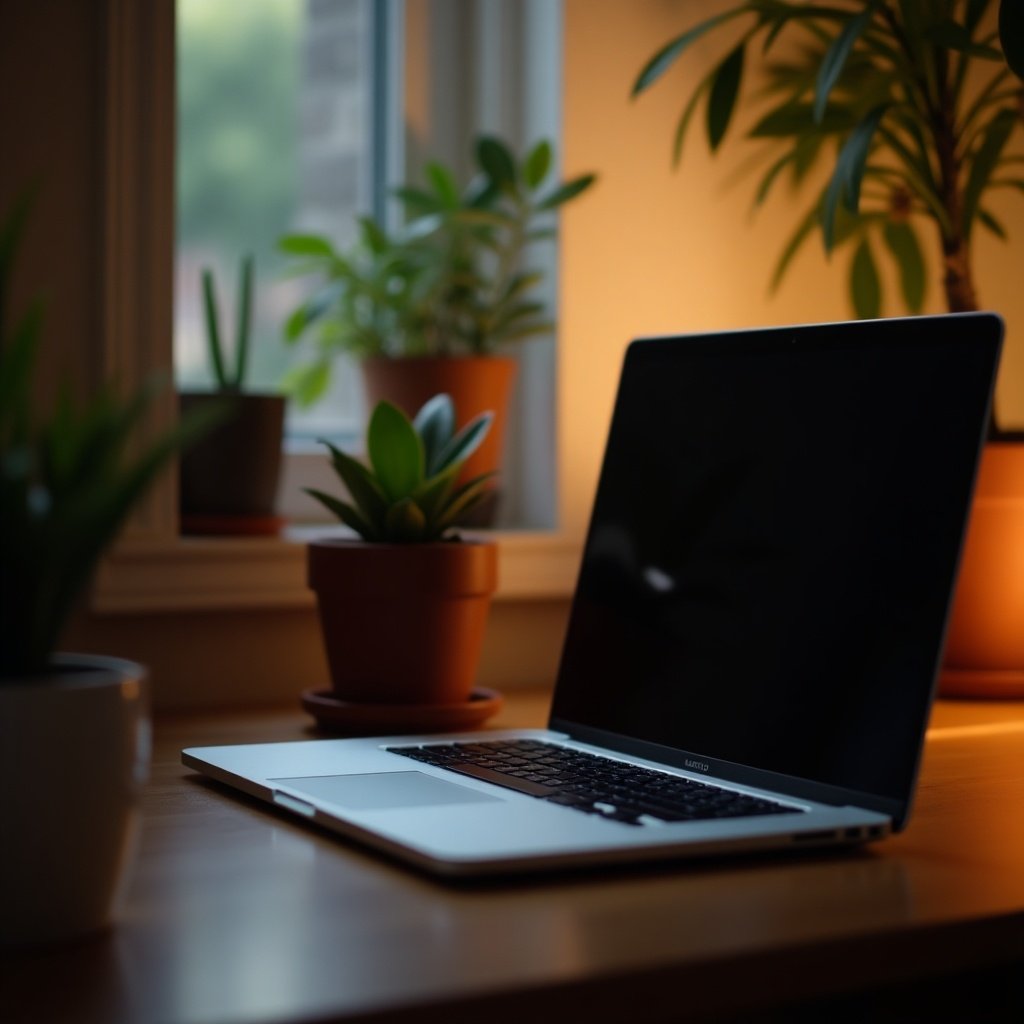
152, 568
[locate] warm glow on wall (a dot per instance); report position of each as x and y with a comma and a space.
985, 647
653, 250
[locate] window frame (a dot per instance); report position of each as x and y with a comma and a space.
152, 568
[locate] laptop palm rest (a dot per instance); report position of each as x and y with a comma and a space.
386, 790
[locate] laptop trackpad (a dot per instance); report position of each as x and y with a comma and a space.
386, 790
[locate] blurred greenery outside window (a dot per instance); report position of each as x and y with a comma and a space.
274, 135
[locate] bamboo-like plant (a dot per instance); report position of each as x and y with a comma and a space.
68, 480
913, 103
410, 491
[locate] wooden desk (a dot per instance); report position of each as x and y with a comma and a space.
237, 914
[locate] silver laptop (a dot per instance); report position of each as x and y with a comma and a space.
756, 630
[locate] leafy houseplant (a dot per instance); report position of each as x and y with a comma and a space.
451, 282
229, 480
431, 307
913, 105
403, 608
68, 479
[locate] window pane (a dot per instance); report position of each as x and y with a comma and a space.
274, 135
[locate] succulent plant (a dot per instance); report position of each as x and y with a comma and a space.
229, 382
410, 492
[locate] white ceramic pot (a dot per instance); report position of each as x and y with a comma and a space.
74, 752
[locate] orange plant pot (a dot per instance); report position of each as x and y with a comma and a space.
985, 643
403, 623
476, 384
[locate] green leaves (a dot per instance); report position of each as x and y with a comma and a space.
395, 451
305, 245
218, 360
835, 58
848, 173
865, 287
537, 164
565, 192
986, 159
450, 281
668, 54
725, 87
497, 161
903, 243
409, 492
435, 424
905, 98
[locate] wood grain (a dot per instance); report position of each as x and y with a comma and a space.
235, 913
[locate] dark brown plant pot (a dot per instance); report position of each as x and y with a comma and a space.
403, 623
229, 479
476, 384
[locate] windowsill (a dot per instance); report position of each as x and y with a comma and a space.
225, 573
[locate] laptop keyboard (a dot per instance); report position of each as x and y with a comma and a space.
590, 783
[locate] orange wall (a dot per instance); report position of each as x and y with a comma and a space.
656, 250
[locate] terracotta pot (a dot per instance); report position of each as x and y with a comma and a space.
403, 623
74, 750
229, 478
985, 643
476, 383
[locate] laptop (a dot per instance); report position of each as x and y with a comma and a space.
756, 630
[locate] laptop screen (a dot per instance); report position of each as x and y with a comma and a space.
773, 545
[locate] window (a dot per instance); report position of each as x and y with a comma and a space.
150, 570
290, 117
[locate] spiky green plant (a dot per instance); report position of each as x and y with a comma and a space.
410, 491
912, 104
68, 480
229, 382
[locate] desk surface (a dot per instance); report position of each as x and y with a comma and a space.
235, 913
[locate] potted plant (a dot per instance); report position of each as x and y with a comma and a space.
73, 739
229, 480
915, 108
403, 606
433, 307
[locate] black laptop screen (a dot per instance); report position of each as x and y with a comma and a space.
773, 544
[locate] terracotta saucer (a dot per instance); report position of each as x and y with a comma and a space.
357, 719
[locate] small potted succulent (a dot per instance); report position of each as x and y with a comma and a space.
73, 739
435, 306
404, 605
229, 481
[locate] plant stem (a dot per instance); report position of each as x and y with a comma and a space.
957, 278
